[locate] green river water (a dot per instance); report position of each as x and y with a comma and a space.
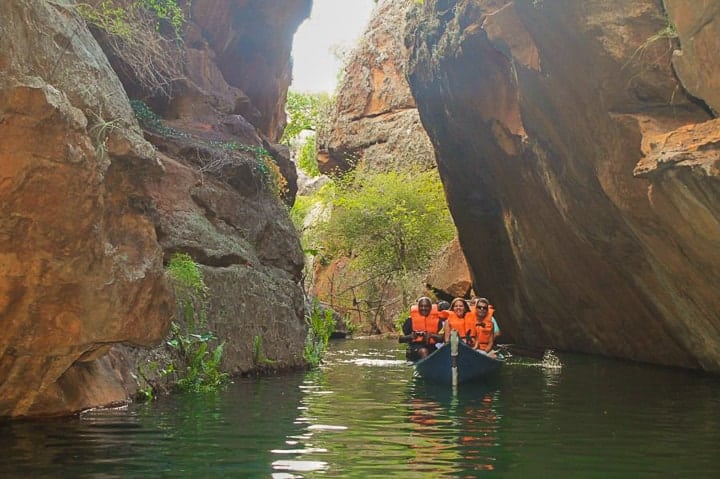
364, 415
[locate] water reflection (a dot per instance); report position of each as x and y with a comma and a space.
480, 438
193, 435
457, 431
539, 412
365, 412
364, 415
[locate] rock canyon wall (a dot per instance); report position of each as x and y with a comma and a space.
91, 208
578, 145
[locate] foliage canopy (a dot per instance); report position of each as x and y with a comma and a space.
389, 223
306, 112
308, 115
307, 157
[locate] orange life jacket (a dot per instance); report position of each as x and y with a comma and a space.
428, 324
461, 325
484, 328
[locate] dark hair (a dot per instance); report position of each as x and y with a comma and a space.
443, 306
465, 305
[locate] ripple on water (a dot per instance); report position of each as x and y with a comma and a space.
364, 415
299, 466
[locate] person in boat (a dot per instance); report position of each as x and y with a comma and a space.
420, 330
473, 305
460, 319
485, 327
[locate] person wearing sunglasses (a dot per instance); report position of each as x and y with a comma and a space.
486, 327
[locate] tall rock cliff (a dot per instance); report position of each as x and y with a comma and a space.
375, 119
578, 146
90, 208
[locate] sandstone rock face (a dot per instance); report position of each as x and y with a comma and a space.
90, 208
250, 258
215, 204
80, 267
375, 119
582, 179
251, 42
450, 273
698, 28
233, 71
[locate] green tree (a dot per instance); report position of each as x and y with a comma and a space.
307, 157
390, 224
306, 112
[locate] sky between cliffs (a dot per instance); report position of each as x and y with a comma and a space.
332, 24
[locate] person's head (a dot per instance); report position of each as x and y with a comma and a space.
443, 306
459, 306
482, 305
424, 306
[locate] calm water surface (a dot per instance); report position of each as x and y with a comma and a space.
363, 415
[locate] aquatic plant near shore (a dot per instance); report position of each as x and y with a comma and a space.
321, 325
258, 353
199, 362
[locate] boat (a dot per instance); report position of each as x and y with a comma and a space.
467, 365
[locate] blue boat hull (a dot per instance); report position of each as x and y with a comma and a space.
471, 365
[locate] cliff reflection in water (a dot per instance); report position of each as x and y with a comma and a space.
364, 415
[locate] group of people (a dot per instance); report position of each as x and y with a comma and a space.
429, 325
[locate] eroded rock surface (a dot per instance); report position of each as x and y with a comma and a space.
80, 267
582, 177
375, 120
697, 25
91, 208
449, 273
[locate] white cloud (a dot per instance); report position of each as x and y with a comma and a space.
332, 24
